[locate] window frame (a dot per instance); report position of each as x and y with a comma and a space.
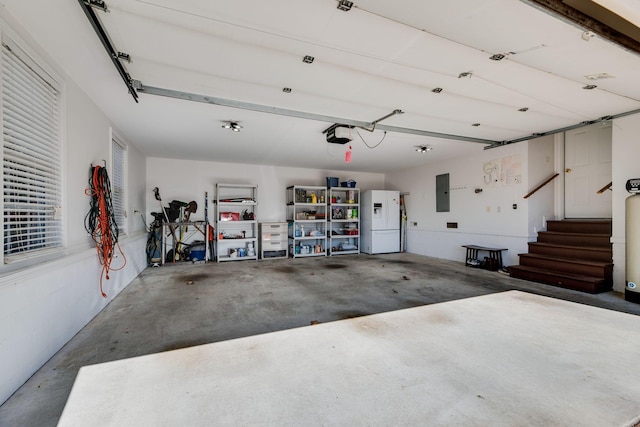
122, 218
41, 67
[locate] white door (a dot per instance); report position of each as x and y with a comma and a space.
587, 170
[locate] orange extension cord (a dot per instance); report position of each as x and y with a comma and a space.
101, 224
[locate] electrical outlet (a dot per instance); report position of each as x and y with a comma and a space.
415, 224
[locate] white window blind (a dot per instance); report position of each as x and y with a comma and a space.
31, 159
118, 183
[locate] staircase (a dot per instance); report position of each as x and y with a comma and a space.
573, 254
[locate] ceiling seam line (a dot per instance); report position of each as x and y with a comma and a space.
372, 57
170, 93
506, 107
531, 97
299, 40
508, 58
572, 127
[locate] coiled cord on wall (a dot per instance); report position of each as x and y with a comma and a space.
100, 221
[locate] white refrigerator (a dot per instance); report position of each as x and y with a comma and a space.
380, 221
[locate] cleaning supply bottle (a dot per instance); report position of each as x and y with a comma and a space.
314, 199
302, 230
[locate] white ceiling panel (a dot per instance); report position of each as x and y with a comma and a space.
378, 57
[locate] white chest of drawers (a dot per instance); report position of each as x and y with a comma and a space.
273, 240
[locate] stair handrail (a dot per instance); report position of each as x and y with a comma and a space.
548, 180
605, 188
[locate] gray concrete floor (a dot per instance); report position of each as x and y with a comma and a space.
177, 306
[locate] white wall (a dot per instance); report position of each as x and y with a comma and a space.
625, 165
486, 218
44, 306
509, 228
186, 180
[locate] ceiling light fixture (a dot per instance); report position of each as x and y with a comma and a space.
589, 87
423, 148
465, 74
497, 57
523, 109
286, 89
436, 90
476, 124
308, 59
345, 5
234, 126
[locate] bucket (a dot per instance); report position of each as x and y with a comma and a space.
197, 252
332, 181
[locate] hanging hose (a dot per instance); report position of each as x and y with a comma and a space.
100, 221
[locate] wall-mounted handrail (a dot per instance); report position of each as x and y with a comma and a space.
605, 188
548, 180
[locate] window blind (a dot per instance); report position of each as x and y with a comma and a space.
31, 162
118, 184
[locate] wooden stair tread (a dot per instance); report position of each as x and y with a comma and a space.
560, 246
582, 220
573, 254
580, 277
575, 239
580, 226
572, 250
568, 260
565, 233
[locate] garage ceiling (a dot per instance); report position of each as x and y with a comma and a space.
429, 59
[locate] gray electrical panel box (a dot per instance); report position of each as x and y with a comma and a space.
442, 193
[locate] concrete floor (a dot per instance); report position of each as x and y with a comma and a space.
177, 306
505, 359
